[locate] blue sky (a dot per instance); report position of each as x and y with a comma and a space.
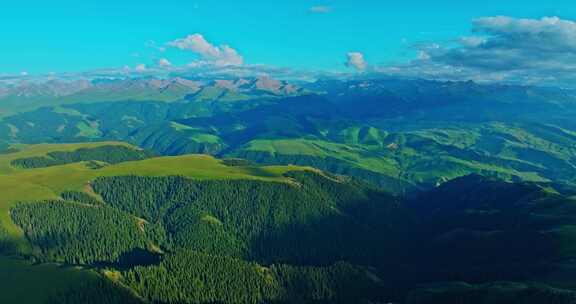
70, 36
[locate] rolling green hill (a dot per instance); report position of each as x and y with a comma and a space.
48, 219
276, 219
20, 184
195, 229
404, 136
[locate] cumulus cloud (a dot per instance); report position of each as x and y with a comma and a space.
356, 61
527, 51
514, 44
222, 55
164, 63
320, 9
140, 68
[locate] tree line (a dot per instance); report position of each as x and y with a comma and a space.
106, 154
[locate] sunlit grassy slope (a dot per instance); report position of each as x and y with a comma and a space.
22, 185
431, 156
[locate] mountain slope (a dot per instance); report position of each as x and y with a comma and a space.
129, 216
194, 229
23, 184
403, 135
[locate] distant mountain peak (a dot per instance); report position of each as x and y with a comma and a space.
151, 88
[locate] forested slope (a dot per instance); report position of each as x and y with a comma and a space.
136, 224
231, 232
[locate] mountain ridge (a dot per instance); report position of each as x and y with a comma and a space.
389, 132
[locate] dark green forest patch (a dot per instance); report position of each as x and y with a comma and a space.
107, 154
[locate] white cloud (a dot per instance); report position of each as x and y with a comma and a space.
222, 55
550, 32
140, 68
357, 61
472, 41
503, 49
320, 9
164, 63
514, 44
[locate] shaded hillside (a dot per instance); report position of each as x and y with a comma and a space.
192, 229
480, 230
232, 241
